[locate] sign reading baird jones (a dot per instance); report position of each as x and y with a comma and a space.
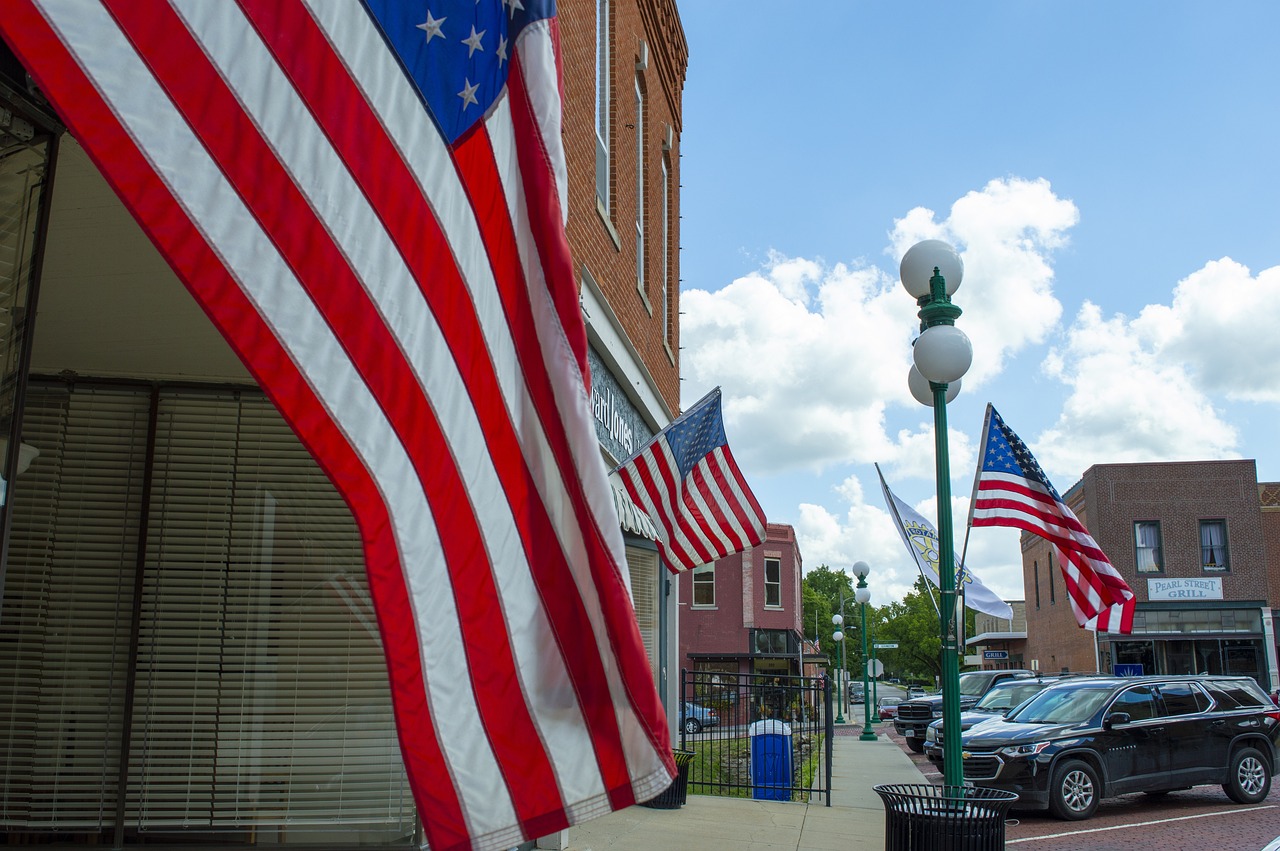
1184, 589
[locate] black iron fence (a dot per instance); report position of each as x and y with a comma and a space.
761, 736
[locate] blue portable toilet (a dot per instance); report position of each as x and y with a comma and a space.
770, 760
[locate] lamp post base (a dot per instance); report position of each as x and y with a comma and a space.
868, 735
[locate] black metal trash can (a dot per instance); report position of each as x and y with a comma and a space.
922, 817
675, 795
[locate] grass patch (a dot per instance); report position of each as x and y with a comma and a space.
720, 767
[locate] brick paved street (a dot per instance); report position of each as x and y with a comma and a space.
1198, 819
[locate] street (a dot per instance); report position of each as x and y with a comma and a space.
1192, 820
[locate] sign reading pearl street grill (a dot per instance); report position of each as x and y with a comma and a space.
1184, 589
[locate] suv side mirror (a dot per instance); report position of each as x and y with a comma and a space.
1115, 718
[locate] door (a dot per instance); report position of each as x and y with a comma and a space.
1135, 751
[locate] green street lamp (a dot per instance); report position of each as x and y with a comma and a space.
862, 594
931, 271
842, 687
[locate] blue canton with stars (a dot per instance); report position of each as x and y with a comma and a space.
696, 434
458, 52
1006, 453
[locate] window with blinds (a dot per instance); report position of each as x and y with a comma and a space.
642, 565
260, 707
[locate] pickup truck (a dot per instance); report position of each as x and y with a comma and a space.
915, 715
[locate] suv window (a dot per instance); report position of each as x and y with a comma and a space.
1236, 694
1139, 702
1183, 699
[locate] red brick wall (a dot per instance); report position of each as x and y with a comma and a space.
1110, 498
610, 262
725, 628
1269, 496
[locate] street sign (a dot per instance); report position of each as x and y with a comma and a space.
995, 654
890, 646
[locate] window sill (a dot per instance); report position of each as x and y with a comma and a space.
608, 224
703, 607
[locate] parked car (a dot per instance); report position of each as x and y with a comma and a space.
915, 691
856, 693
693, 717
888, 707
916, 714
1085, 739
999, 699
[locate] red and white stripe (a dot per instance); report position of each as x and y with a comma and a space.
708, 515
1100, 598
432, 361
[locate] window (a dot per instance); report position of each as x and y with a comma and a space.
664, 264
1213, 545
773, 583
1183, 699
1053, 593
639, 188
704, 585
1139, 702
1035, 570
1146, 541
603, 88
773, 641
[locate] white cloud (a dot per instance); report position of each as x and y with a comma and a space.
1133, 398
811, 356
866, 532
1006, 233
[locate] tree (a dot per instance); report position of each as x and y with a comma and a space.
913, 625
821, 590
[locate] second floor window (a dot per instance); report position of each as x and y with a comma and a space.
773, 583
704, 585
640, 188
1146, 541
603, 92
1213, 545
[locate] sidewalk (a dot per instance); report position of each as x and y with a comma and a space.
855, 819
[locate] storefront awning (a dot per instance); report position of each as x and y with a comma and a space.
632, 517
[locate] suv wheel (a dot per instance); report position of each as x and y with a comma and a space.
1248, 778
1074, 793
916, 744
692, 725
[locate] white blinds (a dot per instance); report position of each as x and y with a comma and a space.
261, 703
643, 566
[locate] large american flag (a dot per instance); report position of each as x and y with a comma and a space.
368, 200
1010, 489
691, 487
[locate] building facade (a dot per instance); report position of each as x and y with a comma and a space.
999, 643
1190, 540
742, 614
188, 651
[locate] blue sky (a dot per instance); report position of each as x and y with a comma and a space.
1109, 172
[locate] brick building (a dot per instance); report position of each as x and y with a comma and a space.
742, 614
999, 643
199, 656
1190, 539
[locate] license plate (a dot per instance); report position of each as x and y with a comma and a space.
910, 734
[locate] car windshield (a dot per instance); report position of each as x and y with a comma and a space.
1071, 705
1004, 697
972, 685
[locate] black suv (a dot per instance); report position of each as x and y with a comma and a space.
915, 715
1086, 739
999, 699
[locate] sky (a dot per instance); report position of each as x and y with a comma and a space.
1109, 173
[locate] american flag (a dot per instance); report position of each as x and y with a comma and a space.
688, 482
368, 200
1010, 489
